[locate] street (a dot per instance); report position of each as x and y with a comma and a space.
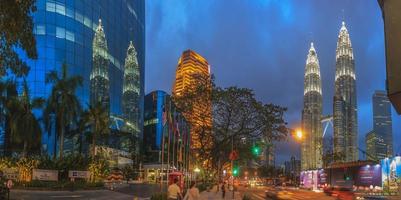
259, 193
143, 191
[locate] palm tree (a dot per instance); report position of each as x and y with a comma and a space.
62, 103
97, 117
23, 125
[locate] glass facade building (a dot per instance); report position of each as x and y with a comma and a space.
382, 122
65, 30
163, 124
166, 137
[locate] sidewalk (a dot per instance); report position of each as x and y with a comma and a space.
214, 195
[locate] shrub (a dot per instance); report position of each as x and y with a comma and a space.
60, 185
25, 167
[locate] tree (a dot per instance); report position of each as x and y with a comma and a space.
97, 117
16, 33
62, 103
189, 102
24, 127
240, 121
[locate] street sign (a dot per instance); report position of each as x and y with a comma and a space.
233, 155
9, 184
45, 175
79, 174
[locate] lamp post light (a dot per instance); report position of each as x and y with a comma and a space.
299, 134
196, 170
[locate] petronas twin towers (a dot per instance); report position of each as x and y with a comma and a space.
99, 78
344, 107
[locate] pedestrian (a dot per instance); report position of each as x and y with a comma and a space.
223, 189
192, 193
174, 192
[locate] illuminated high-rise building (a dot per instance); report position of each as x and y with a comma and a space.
193, 71
345, 104
99, 77
382, 122
131, 91
311, 148
376, 148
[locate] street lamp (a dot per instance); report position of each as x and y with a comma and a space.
299, 134
196, 170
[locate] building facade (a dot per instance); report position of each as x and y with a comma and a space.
376, 148
345, 102
166, 137
311, 147
382, 122
65, 33
193, 73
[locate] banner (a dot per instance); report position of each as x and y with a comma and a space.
79, 174
10, 173
45, 175
391, 174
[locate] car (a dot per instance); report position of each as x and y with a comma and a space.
341, 193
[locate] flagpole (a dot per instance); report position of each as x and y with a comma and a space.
162, 156
168, 144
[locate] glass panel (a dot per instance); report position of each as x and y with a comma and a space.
79, 17
40, 30
60, 9
50, 6
87, 22
70, 12
70, 36
60, 32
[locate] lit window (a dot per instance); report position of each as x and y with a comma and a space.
51, 7
40, 30
70, 36
60, 32
60, 9
87, 22
79, 17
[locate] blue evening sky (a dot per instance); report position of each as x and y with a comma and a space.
262, 44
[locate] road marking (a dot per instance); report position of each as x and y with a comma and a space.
67, 196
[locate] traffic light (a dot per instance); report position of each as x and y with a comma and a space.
255, 150
235, 171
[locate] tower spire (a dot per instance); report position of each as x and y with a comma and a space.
311, 153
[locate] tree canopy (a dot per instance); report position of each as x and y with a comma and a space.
16, 32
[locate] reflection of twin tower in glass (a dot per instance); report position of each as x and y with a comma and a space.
344, 107
99, 77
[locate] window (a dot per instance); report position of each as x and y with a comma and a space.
70, 36
60, 32
51, 7
87, 22
40, 30
70, 12
79, 17
60, 9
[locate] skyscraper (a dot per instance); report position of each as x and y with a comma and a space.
311, 148
99, 77
376, 149
193, 71
64, 31
382, 122
131, 87
344, 103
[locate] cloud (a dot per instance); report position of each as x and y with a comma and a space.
263, 45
